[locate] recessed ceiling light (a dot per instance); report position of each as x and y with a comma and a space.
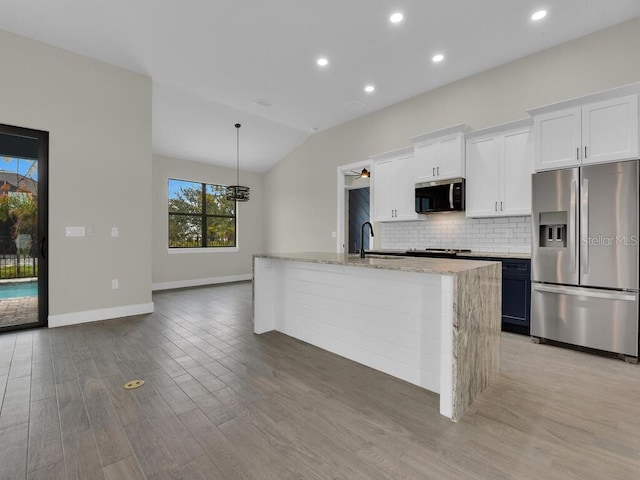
539, 15
263, 102
323, 62
396, 17
437, 58
369, 88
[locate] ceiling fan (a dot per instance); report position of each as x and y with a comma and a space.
363, 174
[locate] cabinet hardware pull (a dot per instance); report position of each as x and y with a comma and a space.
501, 206
496, 207
433, 172
585, 151
578, 153
438, 170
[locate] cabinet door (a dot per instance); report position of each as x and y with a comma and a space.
610, 130
427, 159
517, 166
483, 177
451, 157
406, 189
516, 293
558, 139
384, 190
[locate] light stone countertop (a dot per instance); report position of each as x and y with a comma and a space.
524, 256
474, 253
436, 266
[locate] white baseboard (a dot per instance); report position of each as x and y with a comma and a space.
101, 314
198, 282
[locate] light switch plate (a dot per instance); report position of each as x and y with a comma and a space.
114, 231
74, 231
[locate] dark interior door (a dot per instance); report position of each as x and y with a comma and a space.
358, 214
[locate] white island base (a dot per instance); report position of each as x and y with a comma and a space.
432, 322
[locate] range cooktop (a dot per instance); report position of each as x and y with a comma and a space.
436, 252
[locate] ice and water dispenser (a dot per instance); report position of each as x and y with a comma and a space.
553, 229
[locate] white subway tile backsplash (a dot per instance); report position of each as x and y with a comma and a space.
454, 230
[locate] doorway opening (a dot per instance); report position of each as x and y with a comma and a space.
23, 228
354, 207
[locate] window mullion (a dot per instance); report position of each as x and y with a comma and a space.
204, 215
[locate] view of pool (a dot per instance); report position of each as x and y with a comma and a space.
18, 289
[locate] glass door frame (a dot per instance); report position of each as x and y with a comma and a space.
42, 138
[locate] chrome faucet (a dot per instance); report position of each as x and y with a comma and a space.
362, 237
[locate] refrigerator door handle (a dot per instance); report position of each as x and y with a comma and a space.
584, 292
584, 226
573, 226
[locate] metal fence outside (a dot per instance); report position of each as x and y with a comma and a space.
18, 266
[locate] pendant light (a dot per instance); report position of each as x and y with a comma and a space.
237, 192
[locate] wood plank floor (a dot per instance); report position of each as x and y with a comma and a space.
222, 403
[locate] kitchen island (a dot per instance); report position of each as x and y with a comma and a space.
432, 322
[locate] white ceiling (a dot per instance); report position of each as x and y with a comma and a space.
211, 59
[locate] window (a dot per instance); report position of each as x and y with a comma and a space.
200, 215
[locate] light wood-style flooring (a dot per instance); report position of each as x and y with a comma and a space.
222, 403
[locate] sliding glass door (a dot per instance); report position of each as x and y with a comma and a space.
23, 227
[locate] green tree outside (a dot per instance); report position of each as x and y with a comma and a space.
21, 209
186, 215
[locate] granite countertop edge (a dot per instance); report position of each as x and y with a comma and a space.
435, 266
473, 253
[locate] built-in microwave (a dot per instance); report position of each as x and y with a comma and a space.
440, 196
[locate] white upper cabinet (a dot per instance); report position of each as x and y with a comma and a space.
583, 131
517, 167
427, 158
393, 181
610, 130
439, 155
483, 177
383, 180
499, 167
558, 136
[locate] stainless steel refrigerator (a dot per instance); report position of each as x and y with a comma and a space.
584, 276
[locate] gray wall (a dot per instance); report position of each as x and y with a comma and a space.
182, 269
301, 214
99, 120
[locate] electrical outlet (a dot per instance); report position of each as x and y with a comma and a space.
334, 234
114, 284
114, 231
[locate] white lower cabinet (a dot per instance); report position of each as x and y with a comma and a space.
499, 168
393, 179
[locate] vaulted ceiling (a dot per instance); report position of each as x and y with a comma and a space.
215, 63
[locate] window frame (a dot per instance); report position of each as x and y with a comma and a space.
203, 215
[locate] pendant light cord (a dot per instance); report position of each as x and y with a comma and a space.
238, 153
